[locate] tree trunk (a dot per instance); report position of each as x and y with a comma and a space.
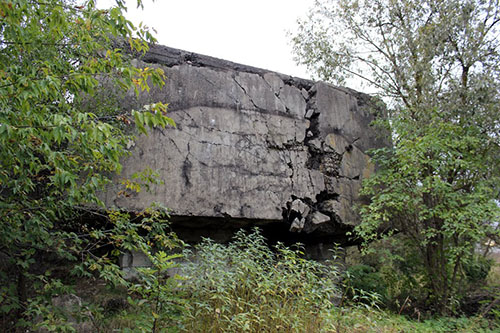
438, 277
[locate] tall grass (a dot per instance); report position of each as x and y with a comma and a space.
245, 286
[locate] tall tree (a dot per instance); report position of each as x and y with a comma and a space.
437, 65
61, 140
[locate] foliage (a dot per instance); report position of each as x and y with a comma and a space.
366, 279
187, 307
361, 320
477, 269
245, 286
437, 63
434, 188
398, 265
57, 152
155, 290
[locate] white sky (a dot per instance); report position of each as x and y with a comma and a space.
248, 32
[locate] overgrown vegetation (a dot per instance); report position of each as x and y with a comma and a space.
247, 286
432, 201
56, 153
437, 64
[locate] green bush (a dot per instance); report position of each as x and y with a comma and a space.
477, 269
245, 286
365, 279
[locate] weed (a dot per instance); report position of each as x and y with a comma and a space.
245, 286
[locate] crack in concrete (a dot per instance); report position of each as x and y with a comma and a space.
245, 92
175, 144
186, 169
277, 94
235, 100
290, 165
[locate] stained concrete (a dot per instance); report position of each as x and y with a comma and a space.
252, 147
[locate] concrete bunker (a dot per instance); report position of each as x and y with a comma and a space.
253, 148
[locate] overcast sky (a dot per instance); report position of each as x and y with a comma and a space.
248, 32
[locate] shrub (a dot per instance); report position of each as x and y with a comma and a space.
477, 269
248, 286
365, 279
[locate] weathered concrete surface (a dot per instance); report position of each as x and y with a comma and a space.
253, 147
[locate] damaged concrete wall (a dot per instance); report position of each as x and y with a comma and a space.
253, 147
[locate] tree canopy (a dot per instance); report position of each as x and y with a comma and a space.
57, 148
437, 65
